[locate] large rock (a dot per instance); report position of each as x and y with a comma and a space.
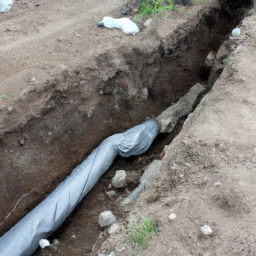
106, 218
118, 180
183, 107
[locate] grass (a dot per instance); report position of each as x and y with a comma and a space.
2, 96
152, 7
140, 232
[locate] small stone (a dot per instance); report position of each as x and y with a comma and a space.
144, 94
44, 243
101, 92
118, 180
172, 216
22, 141
111, 194
181, 175
73, 236
33, 79
217, 183
236, 32
112, 229
56, 242
147, 22
62, 38
90, 113
106, 218
223, 52
10, 108
206, 230
109, 186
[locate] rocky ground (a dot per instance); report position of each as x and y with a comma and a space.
66, 85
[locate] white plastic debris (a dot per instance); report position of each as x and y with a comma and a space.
44, 243
236, 32
6, 5
125, 24
206, 230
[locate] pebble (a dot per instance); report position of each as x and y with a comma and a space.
10, 108
144, 94
236, 32
206, 230
112, 229
172, 216
147, 22
22, 141
90, 113
33, 79
106, 218
73, 236
111, 193
44, 243
217, 183
118, 181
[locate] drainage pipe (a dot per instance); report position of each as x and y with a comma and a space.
42, 221
23, 239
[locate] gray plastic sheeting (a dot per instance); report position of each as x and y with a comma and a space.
42, 221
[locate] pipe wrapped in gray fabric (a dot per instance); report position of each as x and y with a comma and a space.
43, 220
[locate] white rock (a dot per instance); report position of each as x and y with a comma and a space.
144, 93
118, 181
5, 5
172, 216
217, 183
33, 79
111, 193
236, 32
112, 229
106, 218
10, 108
125, 24
43, 243
147, 22
206, 230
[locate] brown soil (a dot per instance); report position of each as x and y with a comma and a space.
207, 175
47, 126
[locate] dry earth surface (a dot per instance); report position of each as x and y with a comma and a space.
65, 85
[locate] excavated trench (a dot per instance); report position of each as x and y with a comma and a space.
39, 154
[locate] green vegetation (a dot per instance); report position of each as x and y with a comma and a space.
2, 96
250, 12
140, 232
152, 7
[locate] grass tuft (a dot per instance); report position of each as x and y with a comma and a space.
152, 7
140, 232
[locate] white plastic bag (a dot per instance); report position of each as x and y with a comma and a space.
5, 5
125, 24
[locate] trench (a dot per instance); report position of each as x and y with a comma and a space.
168, 72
